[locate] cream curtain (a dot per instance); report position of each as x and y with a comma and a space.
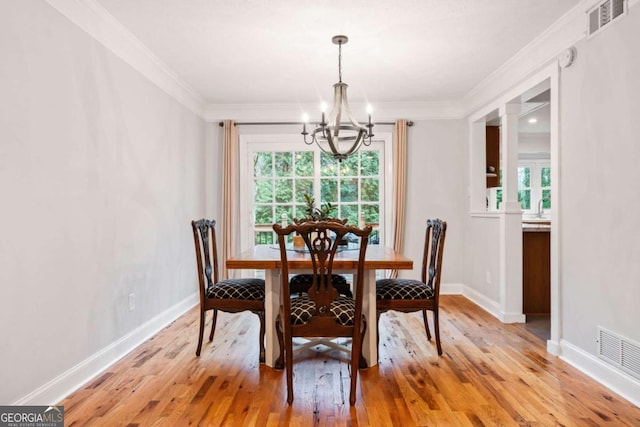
400, 186
229, 192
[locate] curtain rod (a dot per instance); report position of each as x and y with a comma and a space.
221, 124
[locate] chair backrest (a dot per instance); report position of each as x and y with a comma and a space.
432, 256
303, 220
322, 240
204, 238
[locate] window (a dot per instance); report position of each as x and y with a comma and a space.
534, 187
280, 181
524, 187
274, 186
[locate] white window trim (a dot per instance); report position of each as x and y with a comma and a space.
250, 143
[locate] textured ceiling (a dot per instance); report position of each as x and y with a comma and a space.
277, 51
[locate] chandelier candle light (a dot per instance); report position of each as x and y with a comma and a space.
340, 139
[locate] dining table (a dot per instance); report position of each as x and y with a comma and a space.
267, 257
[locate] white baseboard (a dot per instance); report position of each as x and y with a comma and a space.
490, 306
451, 289
553, 347
66, 383
487, 304
618, 381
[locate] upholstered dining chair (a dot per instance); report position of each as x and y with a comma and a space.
321, 311
406, 295
231, 295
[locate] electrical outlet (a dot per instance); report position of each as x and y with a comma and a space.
132, 301
488, 277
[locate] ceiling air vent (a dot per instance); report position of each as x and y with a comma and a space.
604, 13
619, 351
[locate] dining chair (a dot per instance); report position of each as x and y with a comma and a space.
321, 311
407, 295
230, 295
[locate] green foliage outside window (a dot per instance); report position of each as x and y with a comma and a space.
370, 189
329, 190
262, 164
304, 163
545, 177
284, 164
524, 197
284, 191
349, 190
545, 182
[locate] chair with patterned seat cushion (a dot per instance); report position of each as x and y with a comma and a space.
321, 311
406, 295
231, 295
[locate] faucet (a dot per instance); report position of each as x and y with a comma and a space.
540, 208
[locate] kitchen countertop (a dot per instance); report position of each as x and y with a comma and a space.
538, 226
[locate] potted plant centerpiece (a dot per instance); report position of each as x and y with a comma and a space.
325, 211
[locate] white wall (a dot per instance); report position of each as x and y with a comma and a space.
100, 175
482, 248
599, 158
437, 188
534, 143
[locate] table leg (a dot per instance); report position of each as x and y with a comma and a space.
369, 344
271, 307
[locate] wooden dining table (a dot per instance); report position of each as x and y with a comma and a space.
267, 257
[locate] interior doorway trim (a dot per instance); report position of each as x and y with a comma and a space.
550, 72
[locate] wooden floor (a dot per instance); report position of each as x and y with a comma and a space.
489, 374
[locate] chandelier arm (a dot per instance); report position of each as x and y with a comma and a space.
356, 146
335, 116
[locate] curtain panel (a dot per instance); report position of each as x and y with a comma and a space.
229, 192
400, 186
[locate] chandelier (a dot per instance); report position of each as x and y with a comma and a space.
336, 137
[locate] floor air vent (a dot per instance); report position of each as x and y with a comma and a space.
604, 13
619, 351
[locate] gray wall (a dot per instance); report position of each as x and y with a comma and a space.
100, 175
599, 159
437, 176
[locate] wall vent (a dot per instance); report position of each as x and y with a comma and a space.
604, 13
619, 351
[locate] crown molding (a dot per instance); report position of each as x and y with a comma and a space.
103, 27
90, 16
286, 112
539, 53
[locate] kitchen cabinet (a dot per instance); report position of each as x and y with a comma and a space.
493, 156
536, 270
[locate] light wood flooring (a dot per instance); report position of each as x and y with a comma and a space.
490, 374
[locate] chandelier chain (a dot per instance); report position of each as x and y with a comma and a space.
340, 62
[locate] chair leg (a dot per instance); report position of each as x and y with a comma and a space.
426, 324
279, 363
378, 313
201, 333
362, 362
261, 337
213, 324
356, 354
436, 322
289, 367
